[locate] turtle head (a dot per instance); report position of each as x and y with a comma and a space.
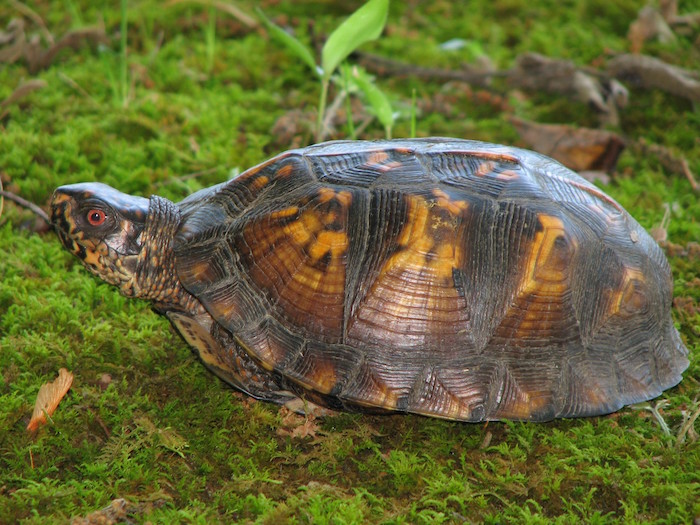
123, 239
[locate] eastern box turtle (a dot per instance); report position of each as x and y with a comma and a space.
442, 277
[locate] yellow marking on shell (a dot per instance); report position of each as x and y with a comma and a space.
627, 294
326, 194
329, 241
428, 240
284, 213
545, 271
260, 182
303, 230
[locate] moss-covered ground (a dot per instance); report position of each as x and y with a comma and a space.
144, 421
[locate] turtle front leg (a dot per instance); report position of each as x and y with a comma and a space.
225, 358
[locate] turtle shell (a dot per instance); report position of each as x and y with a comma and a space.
443, 277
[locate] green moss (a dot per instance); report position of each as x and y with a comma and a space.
146, 422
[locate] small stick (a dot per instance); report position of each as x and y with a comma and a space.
25, 204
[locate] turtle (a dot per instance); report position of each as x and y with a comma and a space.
443, 277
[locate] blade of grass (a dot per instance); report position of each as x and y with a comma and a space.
290, 42
123, 81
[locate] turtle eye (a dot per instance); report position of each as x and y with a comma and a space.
96, 217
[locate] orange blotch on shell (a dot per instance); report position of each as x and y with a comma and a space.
485, 168
444, 201
285, 171
377, 157
524, 405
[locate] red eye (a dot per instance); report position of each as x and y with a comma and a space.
96, 217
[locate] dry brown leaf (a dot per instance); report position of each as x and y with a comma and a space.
581, 149
296, 425
48, 398
116, 512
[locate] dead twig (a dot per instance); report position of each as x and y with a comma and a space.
73, 40
537, 73
30, 13
225, 7
19, 93
386, 66
669, 160
19, 46
25, 204
531, 72
651, 73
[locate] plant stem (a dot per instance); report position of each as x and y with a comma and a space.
210, 36
348, 103
322, 108
413, 113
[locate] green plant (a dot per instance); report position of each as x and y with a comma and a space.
377, 99
362, 26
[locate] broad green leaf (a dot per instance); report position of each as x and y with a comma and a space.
363, 25
377, 99
291, 43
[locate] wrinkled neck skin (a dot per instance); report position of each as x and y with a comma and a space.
155, 277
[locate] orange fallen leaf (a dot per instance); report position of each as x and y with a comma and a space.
48, 398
